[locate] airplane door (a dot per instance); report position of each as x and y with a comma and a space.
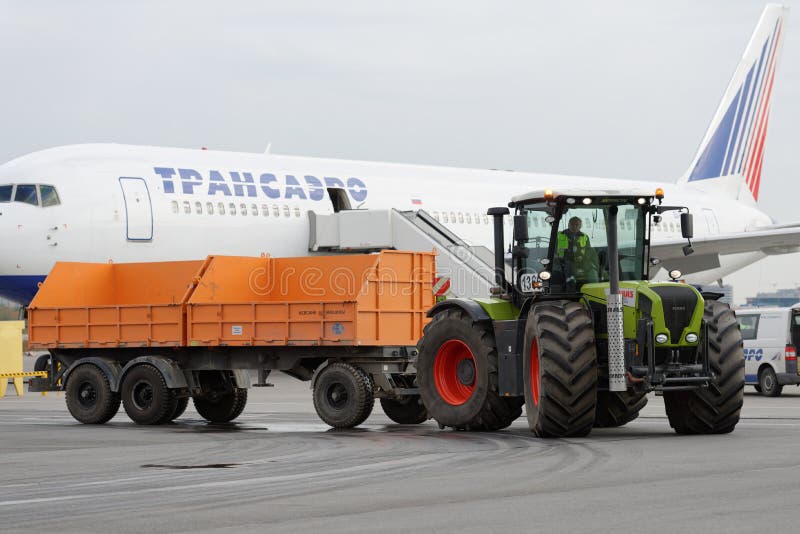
711, 221
138, 209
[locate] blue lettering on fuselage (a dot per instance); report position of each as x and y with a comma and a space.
247, 184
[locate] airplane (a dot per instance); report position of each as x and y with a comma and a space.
101, 202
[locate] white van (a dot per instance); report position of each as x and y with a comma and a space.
771, 336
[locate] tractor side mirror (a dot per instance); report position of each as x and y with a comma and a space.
687, 226
520, 228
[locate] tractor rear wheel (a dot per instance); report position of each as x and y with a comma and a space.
457, 374
560, 370
618, 408
713, 409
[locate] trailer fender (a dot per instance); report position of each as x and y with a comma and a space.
319, 368
112, 370
169, 369
472, 308
242, 378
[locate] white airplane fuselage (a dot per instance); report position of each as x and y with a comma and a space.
136, 203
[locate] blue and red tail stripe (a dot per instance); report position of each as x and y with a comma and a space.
737, 145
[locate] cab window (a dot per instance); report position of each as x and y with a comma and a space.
26, 193
748, 324
5, 193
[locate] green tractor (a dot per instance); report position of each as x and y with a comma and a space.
581, 335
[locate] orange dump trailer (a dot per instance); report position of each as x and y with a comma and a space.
153, 335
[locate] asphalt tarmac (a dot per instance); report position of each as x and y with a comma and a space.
278, 468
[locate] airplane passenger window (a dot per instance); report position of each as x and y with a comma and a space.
485, 219
221, 208
297, 211
210, 208
49, 196
453, 216
264, 210
232, 208
469, 218
436, 215
444, 217
243, 208
5, 193
285, 210
175, 207
276, 211
198, 208
254, 210
27, 194
187, 208
460, 217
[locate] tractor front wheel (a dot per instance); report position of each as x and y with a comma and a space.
560, 370
713, 409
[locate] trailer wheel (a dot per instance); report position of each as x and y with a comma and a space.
560, 370
222, 407
145, 396
89, 396
457, 374
41, 363
406, 410
616, 409
713, 409
343, 395
768, 383
180, 408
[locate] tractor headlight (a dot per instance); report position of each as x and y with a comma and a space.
544, 275
661, 338
691, 338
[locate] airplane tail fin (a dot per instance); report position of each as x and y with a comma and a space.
731, 155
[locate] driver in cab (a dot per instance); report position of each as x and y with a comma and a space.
579, 258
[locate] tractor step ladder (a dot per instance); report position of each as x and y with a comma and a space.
468, 269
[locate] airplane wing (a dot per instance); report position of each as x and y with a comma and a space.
773, 240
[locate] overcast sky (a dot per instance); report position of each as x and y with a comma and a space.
615, 89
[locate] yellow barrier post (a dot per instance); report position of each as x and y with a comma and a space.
11, 355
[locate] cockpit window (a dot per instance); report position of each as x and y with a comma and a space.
26, 193
5, 193
49, 196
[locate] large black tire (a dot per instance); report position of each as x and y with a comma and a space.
768, 383
222, 407
343, 395
560, 370
180, 408
145, 396
407, 410
41, 363
89, 396
618, 408
457, 374
714, 409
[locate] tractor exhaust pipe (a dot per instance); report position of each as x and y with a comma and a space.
499, 246
616, 336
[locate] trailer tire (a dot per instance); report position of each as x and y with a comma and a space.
180, 408
145, 396
458, 377
222, 408
343, 395
89, 397
615, 409
714, 409
405, 410
560, 370
41, 363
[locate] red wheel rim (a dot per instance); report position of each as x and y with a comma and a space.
535, 372
452, 387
